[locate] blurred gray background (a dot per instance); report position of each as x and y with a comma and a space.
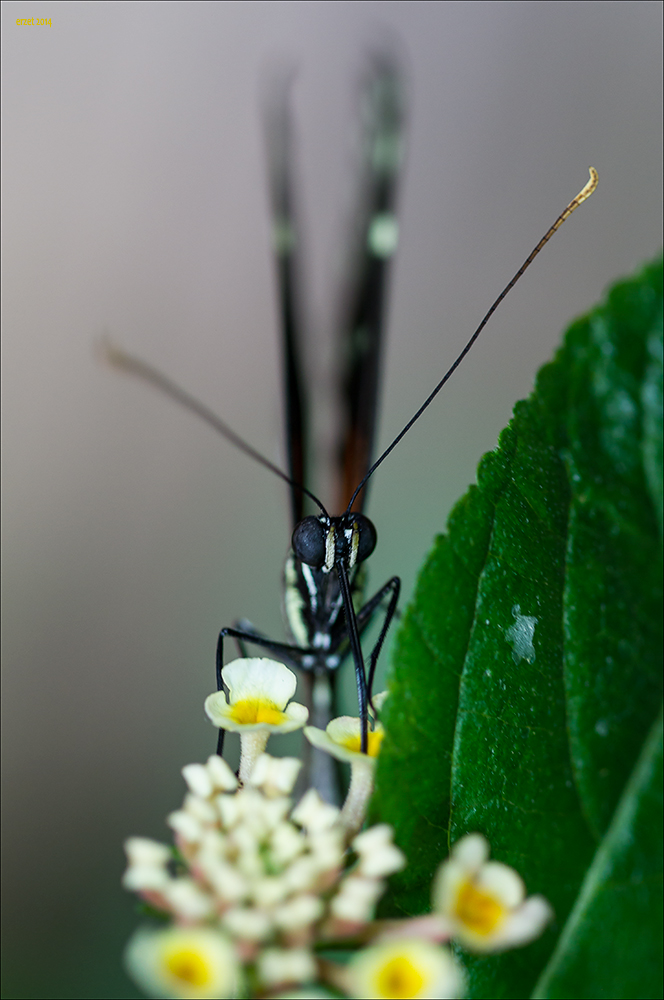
135, 202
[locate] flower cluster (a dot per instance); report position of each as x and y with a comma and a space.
259, 889
259, 880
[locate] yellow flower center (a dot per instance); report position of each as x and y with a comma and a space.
478, 910
188, 966
374, 741
253, 710
399, 979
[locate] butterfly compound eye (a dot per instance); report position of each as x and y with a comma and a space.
309, 541
367, 540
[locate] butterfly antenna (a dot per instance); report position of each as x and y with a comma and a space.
130, 365
573, 205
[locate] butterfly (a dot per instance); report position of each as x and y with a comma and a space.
325, 610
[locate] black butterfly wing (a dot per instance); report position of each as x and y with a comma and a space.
375, 239
362, 320
279, 143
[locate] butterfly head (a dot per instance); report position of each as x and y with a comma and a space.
322, 541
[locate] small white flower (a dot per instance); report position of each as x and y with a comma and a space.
142, 851
260, 690
301, 911
403, 969
286, 843
188, 900
378, 855
252, 814
273, 813
484, 901
221, 775
147, 871
200, 809
225, 880
303, 874
145, 879
327, 847
198, 779
269, 891
186, 826
356, 900
230, 810
248, 924
257, 705
247, 848
342, 738
292, 965
255, 821
313, 813
275, 775
194, 963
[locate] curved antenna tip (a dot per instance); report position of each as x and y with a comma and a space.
584, 193
590, 186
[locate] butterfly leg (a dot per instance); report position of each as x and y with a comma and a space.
366, 613
244, 625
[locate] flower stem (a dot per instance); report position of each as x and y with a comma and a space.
252, 746
361, 787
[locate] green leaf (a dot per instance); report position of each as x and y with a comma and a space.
614, 933
531, 737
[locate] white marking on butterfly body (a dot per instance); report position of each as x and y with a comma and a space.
521, 636
294, 604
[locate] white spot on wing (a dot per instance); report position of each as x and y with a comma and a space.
521, 636
383, 235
